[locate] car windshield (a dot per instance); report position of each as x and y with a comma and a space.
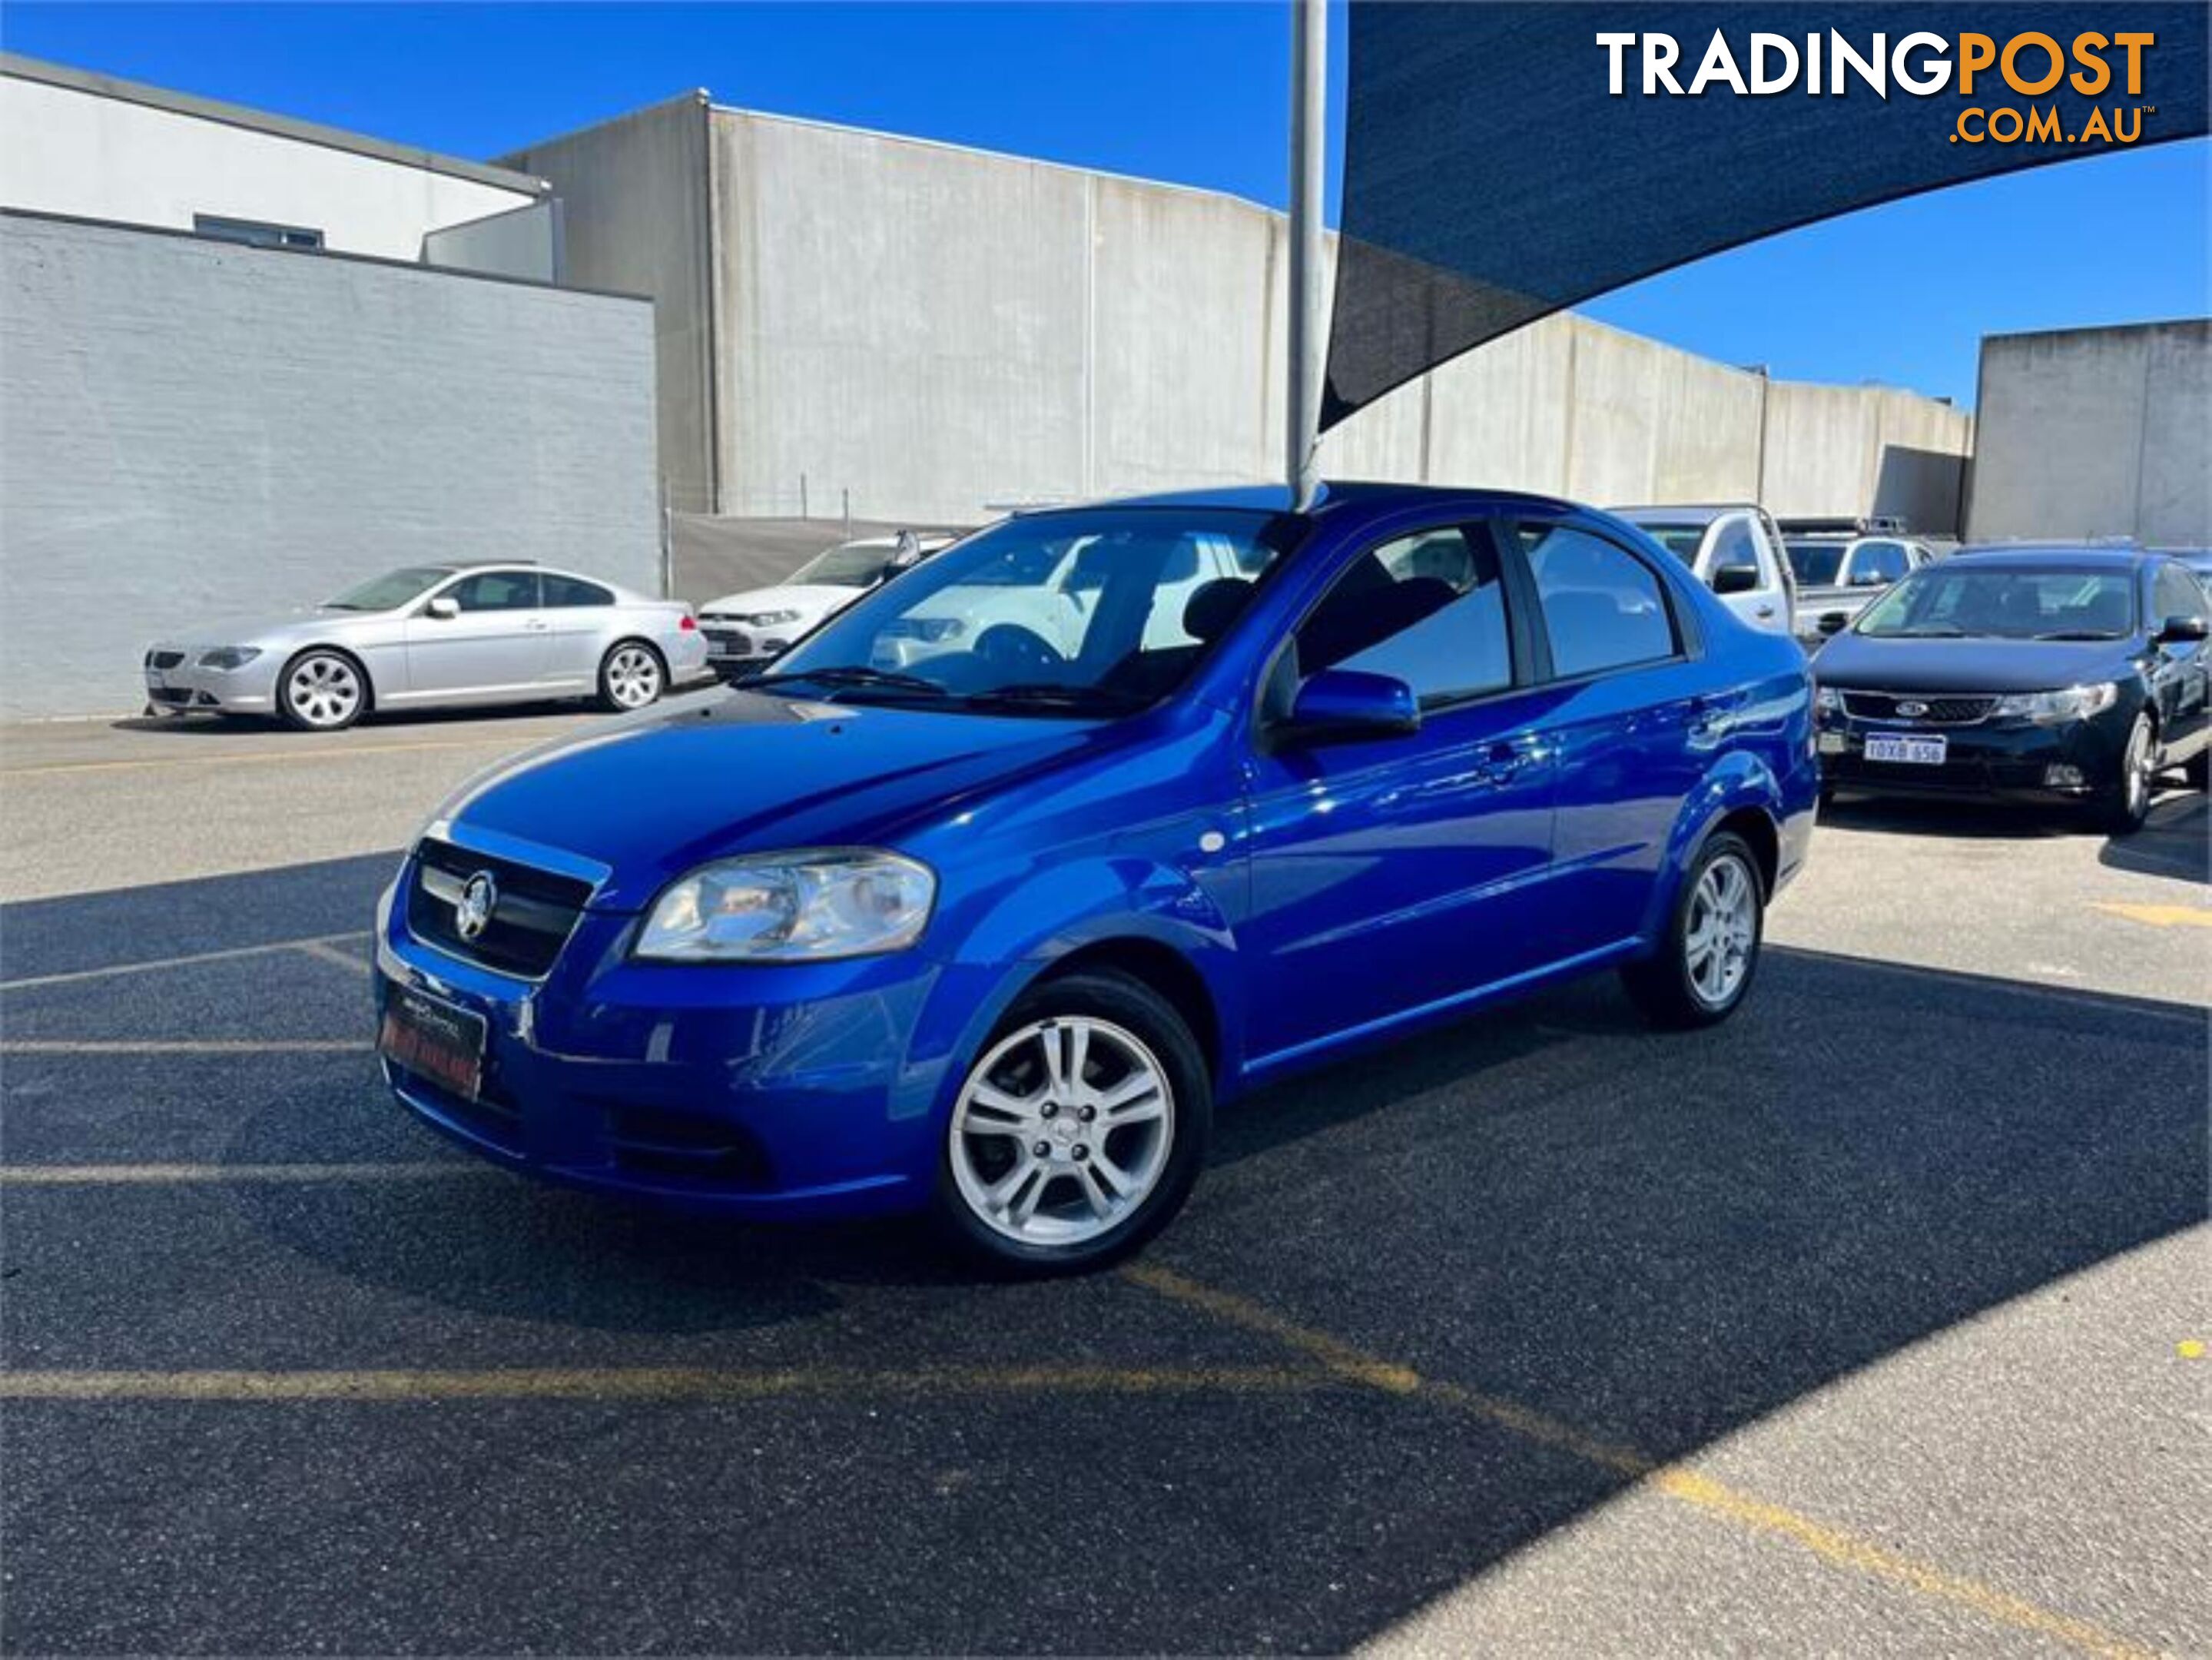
1955, 600
1683, 541
1816, 563
392, 590
855, 565
1091, 611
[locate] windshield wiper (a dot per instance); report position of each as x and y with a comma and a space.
1925, 631
851, 675
2079, 634
1052, 694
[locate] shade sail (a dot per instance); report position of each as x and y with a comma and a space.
1491, 178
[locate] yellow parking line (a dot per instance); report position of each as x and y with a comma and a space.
1676, 1481
190, 960
653, 1383
258, 758
67, 1175
2160, 916
187, 1046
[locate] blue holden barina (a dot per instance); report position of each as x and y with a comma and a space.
1012, 871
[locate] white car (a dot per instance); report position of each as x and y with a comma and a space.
748, 630
1038, 599
1736, 551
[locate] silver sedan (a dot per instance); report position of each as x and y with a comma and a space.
435, 636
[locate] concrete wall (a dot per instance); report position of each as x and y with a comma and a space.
635, 216
917, 330
2096, 432
902, 318
65, 150
191, 429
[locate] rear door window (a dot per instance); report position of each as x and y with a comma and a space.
1604, 608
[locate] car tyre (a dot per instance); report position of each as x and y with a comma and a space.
1708, 954
1024, 1187
2127, 803
632, 676
2198, 769
322, 690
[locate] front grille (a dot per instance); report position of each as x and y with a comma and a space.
1930, 709
535, 913
178, 695
164, 659
727, 643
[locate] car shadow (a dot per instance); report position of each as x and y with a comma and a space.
1656, 1239
204, 726
2171, 842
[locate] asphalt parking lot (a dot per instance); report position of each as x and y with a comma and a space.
1872, 1323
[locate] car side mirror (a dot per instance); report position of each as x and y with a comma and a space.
1866, 578
1735, 579
1833, 622
2179, 630
1339, 705
444, 608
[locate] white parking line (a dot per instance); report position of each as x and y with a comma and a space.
95, 1176
187, 1046
192, 960
323, 952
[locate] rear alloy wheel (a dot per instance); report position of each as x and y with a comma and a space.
631, 678
321, 691
1079, 1132
2128, 804
1705, 964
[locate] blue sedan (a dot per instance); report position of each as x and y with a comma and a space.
1023, 863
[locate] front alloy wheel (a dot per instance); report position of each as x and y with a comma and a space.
2129, 804
321, 691
1078, 1133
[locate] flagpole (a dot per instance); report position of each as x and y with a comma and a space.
1309, 119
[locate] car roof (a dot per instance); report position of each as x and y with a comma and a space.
1339, 496
1684, 513
2070, 556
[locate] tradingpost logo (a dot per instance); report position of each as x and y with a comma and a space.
2028, 65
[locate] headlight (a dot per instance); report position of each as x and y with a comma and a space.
768, 619
229, 656
791, 908
2075, 703
1826, 700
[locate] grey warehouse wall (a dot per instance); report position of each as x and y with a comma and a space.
191, 429
2097, 432
917, 332
633, 216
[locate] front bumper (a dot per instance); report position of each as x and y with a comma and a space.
2076, 761
774, 1093
734, 648
186, 687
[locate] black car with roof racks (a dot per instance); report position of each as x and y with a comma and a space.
2069, 674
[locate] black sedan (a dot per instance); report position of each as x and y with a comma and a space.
2054, 674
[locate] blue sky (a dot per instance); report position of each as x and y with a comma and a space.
1193, 93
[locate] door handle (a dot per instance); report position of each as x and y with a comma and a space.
1764, 610
1502, 761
